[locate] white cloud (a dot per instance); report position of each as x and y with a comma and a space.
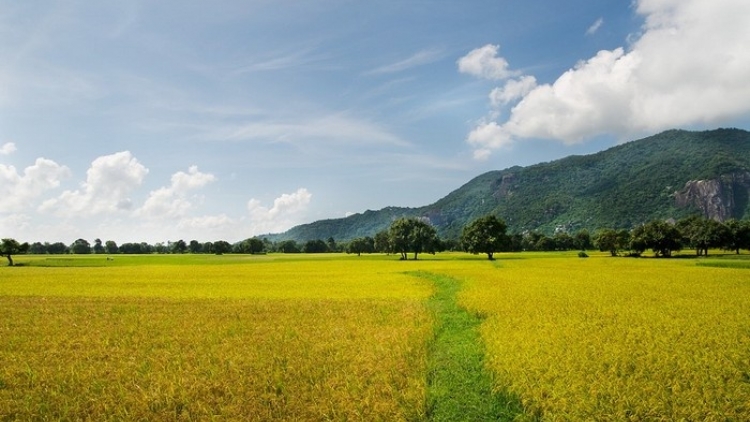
338, 128
418, 59
20, 190
484, 62
7, 148
512, 90
287, 211
595, 26
688, 67
172, 201
109, 181
488, 135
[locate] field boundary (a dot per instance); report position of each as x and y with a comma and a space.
459, 387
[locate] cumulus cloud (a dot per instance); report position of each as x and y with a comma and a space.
109, 181
287, 211
172, 201
18, 191
688, 67
7, 148
513, 89
484, 62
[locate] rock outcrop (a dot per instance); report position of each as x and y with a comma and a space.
719, 199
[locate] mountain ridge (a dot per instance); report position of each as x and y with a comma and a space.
668, 175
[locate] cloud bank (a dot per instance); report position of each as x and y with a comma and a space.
105, 201
688, 67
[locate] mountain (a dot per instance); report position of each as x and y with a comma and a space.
670, 175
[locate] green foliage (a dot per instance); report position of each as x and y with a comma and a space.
413, 235
661, 237
485, 235
10, 247
622, 187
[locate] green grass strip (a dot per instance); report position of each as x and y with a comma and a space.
459, 385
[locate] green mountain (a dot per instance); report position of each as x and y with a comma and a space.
670, 175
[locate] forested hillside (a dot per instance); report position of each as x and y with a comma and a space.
670, 175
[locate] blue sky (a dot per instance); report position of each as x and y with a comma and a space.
158, 121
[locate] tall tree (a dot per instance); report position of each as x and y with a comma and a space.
412, 235
485, 235
738, 235
111, 247
98, 247
80, 246
702, 233
662, 237
10, 247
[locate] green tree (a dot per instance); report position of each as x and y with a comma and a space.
702, 233
178, 247
195, 246
660, 236
288, 246
485, 235
412, 235
10, 247
221, 247
98, 247
315, 246
252, 245
80, 246
582, 240
738, 235
111, 247
361, 245
382, 242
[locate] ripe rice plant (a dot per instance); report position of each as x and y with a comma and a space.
616, 339
258, 341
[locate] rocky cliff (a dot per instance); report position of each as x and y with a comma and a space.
721, 198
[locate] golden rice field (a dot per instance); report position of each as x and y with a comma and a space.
341, 337
616, 338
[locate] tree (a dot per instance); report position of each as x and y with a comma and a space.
10, 247
98, 247
251, 245
412, 235
194, 246
701, 233
485, 235
382, 242
738, 235
288, 246
80, 246
178, 247
221, 247
582, 240
663, 238
111, 247
315, 246
609, 240
331, 242
360, 245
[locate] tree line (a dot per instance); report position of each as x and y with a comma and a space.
405, 236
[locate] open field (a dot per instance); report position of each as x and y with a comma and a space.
334, 337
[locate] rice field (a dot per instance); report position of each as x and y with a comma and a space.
339, 337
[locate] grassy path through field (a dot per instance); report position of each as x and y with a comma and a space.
459, 386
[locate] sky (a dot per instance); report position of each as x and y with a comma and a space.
157, 121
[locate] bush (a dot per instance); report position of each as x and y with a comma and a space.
583, 254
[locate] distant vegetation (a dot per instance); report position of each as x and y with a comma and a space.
485, 235
622, 187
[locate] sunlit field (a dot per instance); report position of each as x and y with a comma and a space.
341, 337
617, 338
249, 338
